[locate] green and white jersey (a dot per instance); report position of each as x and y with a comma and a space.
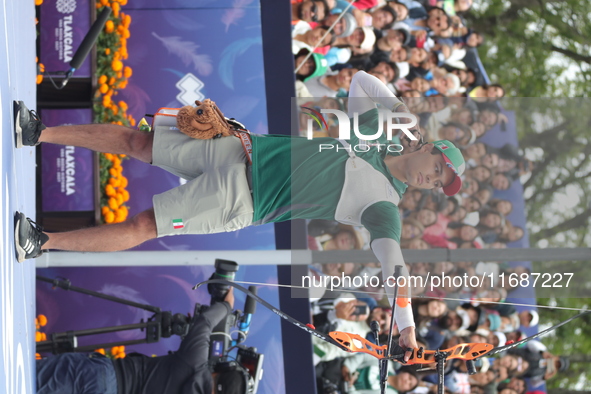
294, 179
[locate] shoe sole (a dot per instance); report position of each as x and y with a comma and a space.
20, 252
18, 131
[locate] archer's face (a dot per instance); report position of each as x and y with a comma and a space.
426, 171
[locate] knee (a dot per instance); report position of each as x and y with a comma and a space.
144, 224
140, 145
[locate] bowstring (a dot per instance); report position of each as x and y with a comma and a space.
421, 296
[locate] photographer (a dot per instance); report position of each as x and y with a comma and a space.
184, 371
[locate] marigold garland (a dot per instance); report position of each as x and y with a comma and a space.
113, 75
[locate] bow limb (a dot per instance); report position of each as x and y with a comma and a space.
306, 327
500, 349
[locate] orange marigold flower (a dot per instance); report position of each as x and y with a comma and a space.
115, 182
114, 350
117, 65
105, 209
108, 156
105, 2
110, 216
42, 319
107, 51
123, 2
106, 101
101, 351
126, 20
114, 172
37, 355
120, 355
110, 191
43, 336
112, 81
119, 198
122, 211
38, 337
104, 88
125, 33
122, 84
120, 74
125, 195
102, 79
123, 182
123, 105
39, 79
127, 72
109, 26
116, 7
38, 2
115, 109
113, 204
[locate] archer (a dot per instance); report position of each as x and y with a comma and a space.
291, 179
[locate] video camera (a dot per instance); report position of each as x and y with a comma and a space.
247, 362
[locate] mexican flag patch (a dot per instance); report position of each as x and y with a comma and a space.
177, 223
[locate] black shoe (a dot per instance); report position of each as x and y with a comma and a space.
28, 238
27, 125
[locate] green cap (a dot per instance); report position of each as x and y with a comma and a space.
321, 66
454, 160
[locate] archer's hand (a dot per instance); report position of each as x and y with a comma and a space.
230, 297
408, 339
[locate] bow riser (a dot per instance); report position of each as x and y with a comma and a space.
357, 344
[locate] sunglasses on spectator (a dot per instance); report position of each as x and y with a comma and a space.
313, 12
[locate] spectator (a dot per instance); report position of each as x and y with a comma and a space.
314, 66
344, 27
309, 10
487, 92
386, 71
436, 23
459, 133
504, 207
332, 84
501, 181
304, 37
344, 238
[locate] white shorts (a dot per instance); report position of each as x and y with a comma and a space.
216, 197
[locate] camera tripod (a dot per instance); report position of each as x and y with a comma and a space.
160, 325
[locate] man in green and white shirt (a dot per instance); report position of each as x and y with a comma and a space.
292, 177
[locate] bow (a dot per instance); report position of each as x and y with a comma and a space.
354, 343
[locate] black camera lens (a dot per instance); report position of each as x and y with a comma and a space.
224, 269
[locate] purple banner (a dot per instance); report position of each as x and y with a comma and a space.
67, 172
168, 288
182, 55
63, 25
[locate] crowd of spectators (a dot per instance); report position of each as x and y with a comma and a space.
417, 48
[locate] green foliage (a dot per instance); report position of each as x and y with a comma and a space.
572, 340
555, 133
537, 48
